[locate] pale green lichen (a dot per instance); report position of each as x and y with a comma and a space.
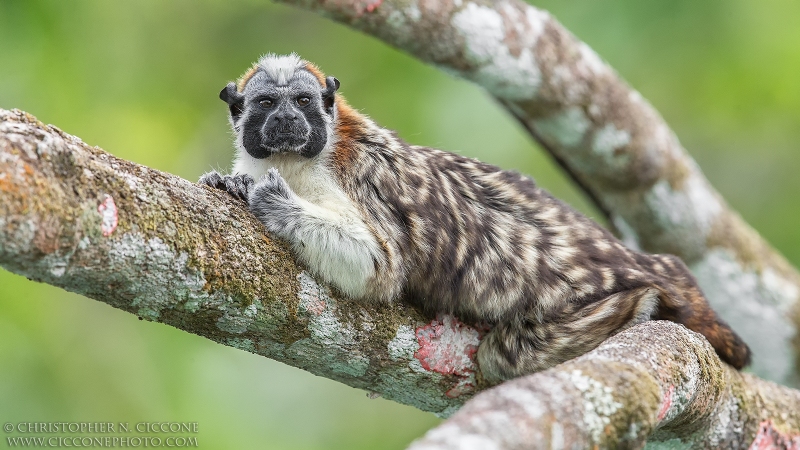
18, 237
269, 318
412, 12
691, 206
725, 424
598, 403
508, 76
447, 412
680, 396
420, 389
168, 275
327, 331
404, 344
605, 145
566, 128
242, 344
272, 349
237, 320
57, 263
783, 291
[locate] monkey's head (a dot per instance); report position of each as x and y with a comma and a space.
282, 105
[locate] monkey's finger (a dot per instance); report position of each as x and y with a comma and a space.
248, 180
230, 186
210, 179
241, 187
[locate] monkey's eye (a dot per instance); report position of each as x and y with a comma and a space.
303, 101
266, 103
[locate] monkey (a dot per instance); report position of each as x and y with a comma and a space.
380, 220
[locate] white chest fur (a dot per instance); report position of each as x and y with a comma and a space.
330, 235
309, 178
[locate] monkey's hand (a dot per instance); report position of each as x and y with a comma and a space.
337, 247
274, 203
238, 186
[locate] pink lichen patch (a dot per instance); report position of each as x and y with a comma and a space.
108, 212
374, 5
666, 403
465, 385
313, 297
447, 346
768, 438
316, 306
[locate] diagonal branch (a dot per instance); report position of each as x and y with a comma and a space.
612, 143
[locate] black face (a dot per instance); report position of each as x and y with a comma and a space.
271, 118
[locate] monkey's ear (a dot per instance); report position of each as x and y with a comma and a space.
234, 99
332, 84
329, 94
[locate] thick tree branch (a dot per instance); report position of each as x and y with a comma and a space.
172, 251
656, 382
611, 141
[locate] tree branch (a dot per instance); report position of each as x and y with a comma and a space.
612, 143
172, 251
656, 382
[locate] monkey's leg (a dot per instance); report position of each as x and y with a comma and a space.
524, 345
238, 186
334, 244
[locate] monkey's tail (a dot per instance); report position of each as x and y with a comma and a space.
692, 310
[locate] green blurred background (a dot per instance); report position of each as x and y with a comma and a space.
140, 79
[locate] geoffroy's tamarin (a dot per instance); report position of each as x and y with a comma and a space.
379, 219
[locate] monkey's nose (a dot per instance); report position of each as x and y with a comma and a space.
286, 116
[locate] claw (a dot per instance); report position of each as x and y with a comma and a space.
230, 185
243, 185
211, 179
238, 186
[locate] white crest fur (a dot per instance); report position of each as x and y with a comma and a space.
281, 68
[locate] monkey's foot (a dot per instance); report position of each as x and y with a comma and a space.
238, 186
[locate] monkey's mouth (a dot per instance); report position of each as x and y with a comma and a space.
284, 141
285, 138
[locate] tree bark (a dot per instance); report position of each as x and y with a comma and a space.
657, 382
613, 144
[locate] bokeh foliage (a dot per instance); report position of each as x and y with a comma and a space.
140, 79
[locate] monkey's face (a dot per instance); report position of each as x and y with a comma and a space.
294, 116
